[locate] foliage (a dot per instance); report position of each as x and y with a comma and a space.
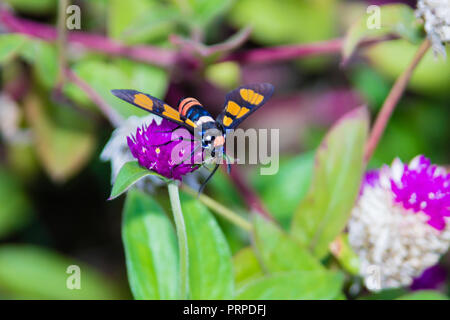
54, 124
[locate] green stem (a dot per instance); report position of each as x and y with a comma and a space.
220, 209
182, 237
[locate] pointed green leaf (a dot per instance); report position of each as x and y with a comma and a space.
394, 19
324, 212
150, 249
203, 12
210, 267
64, 140
278, 251
10, 45
246, 266
295, 285
130, 173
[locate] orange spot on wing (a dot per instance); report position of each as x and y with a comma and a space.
171, 113
143, 101
258, 98
243, 112
189, 122
244, 94
233, 108
227, 121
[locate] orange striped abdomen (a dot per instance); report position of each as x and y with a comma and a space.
186, 104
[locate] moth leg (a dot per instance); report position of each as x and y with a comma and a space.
182, 161
207, 179
176, 128
170, 141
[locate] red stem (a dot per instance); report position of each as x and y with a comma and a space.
288, 52
112, 116
391, 101
148, 54
166, 57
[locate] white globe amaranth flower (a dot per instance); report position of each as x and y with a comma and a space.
436, 14
400, 224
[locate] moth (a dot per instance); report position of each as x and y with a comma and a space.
191, 115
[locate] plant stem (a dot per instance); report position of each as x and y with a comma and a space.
62, 39
168, 57
147, 54
106, 109
182, 237
392, 99
220, 209
295, 51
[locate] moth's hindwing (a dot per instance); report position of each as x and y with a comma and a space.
242, 102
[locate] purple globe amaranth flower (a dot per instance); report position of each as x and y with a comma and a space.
431, 279
157, 148
423, 187
400, 223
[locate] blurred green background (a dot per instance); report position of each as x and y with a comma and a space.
53, 186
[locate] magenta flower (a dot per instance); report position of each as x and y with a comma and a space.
154, 147
400, 224
424, 188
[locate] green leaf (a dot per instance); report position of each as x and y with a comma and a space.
206, 11
295, 285
29, 272
15, 209
291, 184
424, 295
324, 212
395, 19
290, 21
33, 6
64, 140
277, 251
43, 57
343, 252
150, 249
391, 58
123, 13
121, 74
385, 294
210, 267
246, 266
130, 173
11, 45
225, 75
156, 23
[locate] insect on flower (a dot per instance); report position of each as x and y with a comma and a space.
209, 134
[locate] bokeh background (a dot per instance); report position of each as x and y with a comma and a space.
54, 187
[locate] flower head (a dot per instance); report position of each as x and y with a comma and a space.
118, 153
436, 14
160, 149
400, 221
